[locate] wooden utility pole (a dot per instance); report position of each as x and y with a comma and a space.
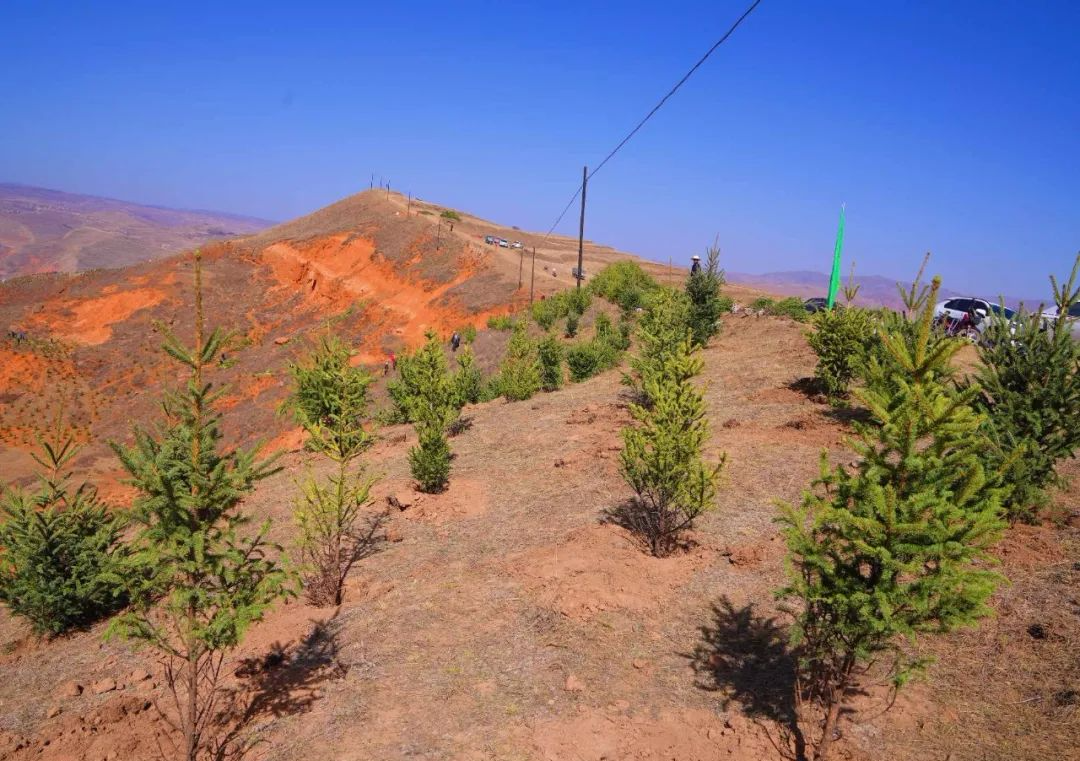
521, 266
670, 273
409, 210
372, 183
388, 190
532, 282
581, 230
438, 242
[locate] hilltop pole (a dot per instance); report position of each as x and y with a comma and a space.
532, 281
521, 267
581, 230
834, 279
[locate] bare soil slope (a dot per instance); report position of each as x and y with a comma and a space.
505, 619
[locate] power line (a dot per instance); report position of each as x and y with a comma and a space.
649, 115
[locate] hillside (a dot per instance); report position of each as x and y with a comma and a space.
381, 272
51, 231
504, 619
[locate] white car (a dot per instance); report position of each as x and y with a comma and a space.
1073, 318
956, 308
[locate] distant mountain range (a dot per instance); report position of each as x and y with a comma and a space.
52, 231
874, 290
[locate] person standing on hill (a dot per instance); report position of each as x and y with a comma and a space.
695, 268
455, 341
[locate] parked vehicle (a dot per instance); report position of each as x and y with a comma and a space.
1073, 318
489, 239
503, 243
816, 304
577, 274
956, 308
516, 244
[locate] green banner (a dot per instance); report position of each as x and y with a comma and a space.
834, 279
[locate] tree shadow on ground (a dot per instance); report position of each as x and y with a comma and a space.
280, 682
641, 524
746, 658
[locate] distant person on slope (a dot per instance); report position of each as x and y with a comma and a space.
695, 268
455, 341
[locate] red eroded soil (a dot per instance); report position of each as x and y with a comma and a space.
339, 271
89, 321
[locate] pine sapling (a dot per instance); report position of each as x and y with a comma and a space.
196, 582
1030, 392
59, 547
433, 409
897, 545
661, 459
520, 373
550, 352
330, 401
703, 288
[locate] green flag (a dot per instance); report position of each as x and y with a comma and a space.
834, 280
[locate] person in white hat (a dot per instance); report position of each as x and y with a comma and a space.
696, 266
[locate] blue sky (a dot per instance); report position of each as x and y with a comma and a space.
951, 127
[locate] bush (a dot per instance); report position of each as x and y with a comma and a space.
792, 307
468, 380
551, 352
1029, 390
585, 359
898, 545
762, 304
468, 333
501, 322
572, 325
662, 460
452, 215
519, 375
59, 549
703, 289
625, 284
842, 340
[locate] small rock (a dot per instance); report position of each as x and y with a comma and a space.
394, 534
103, 686
53, 712
281, 340
139, 675
560, 463
573, 684
639, 663
403, 500
70, 690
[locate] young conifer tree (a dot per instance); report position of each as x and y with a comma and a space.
433, 408
59, 546
550, 352
330, 402
659, 332
520, 373
703, 288
661, 458
468, 379
895, 546
196, 581
1030, 393
842, 338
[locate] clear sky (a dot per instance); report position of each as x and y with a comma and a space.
945, 126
